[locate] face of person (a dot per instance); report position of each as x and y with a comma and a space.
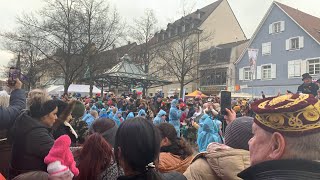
163, 117
50, 118
159, 99
259, 145
307, 80
69, 118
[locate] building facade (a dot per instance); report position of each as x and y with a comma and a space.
216, 20
288, 43
217, 69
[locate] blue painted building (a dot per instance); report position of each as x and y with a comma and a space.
289, 45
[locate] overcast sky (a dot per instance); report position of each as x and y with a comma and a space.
248, 12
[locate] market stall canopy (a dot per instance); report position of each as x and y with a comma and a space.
84, 90
126, 73
196, 93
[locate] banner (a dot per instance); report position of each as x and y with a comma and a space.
253, 55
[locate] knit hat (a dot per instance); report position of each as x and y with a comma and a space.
78, 110
291, 114
305, 76
38, 110
239, 132
60, 159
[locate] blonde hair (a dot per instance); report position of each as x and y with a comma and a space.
37, 96
114, 110
4, 99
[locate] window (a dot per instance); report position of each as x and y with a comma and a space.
295, 43
314, 66
247, 74
213, 77
276, 27
294, 68
266, 48
266, 72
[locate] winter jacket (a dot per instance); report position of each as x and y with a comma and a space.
285, 169
9, 114
220, 162
169, 162
31, 142
158, 120
66, 128
103, 113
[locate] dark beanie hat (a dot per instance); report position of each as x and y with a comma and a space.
61, 106
78, 110
38, 110
239, 132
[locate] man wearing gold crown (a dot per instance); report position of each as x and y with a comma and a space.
286, 141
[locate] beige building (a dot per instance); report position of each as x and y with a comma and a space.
210, 26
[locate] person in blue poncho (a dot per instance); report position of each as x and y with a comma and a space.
208, 132
103, 113
90, 117
174, 116
117, 118
160, 118
142, 113
130, 116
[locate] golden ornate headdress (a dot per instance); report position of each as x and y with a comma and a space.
291, 114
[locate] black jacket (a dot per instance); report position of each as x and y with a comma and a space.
164, 176
31, 142
283, 170
9, 114
62, 129
311, 88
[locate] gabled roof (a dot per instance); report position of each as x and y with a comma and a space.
310, 24
205, 12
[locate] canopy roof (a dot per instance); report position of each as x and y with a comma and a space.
196, 93
128, 74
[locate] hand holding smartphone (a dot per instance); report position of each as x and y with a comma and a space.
225, 101
14, 74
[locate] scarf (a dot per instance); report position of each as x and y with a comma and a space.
71, 128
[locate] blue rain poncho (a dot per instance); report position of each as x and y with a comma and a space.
158, 120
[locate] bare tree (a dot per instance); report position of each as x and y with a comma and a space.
143, 32
181, 55
57, 28
31, 62
101, 28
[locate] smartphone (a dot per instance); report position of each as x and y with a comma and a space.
225, 101
14, 74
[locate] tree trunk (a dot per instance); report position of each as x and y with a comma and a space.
91, 86
181, 88
66, 86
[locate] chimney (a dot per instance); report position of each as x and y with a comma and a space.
129, 42
113, 46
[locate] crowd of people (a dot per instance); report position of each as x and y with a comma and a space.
136, 137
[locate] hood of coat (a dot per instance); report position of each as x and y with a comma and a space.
170, 162
174, 103
161, 113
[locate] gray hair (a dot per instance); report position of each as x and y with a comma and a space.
305, 147
4, 99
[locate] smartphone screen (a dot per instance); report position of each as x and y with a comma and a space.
225, 101
13, 75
